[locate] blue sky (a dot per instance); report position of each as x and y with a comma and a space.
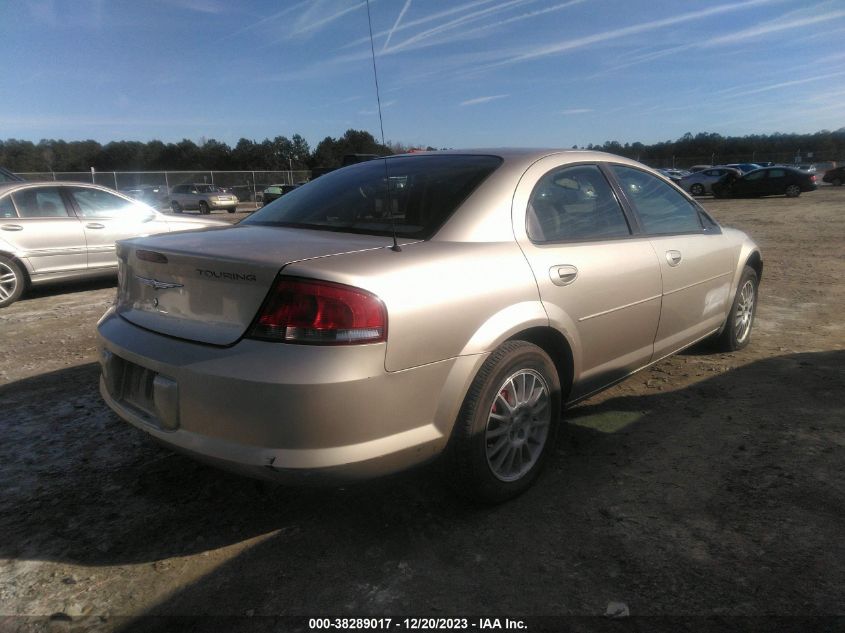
462, 73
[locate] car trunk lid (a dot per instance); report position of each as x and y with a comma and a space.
207, 286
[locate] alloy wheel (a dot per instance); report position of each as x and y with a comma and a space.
744, 312
518, 425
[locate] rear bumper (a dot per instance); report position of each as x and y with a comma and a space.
282, 411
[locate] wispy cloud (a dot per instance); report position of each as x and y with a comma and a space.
576, 111
456, 23
384, 106
786, 84
423, 20
564, 46
315, 17
264, 21
201, 6
396, 24
478, 100
784, 23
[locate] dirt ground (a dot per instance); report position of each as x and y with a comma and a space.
709, 485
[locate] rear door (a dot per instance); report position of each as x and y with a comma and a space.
598, 279
106, 218
36, 222
696, 261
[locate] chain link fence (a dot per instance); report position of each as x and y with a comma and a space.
247, 185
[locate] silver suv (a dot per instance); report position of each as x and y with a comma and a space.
201, 197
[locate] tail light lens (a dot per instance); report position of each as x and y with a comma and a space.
320, 312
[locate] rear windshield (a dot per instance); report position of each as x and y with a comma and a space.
423, 192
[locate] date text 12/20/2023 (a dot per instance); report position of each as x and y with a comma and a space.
416, 624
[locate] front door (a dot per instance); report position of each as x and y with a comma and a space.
696, 262
106, 218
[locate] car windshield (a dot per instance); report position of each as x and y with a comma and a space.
423, 192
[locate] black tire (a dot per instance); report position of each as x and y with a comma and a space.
231, 210
12, 281
475, 445
203, 207
733, 337
697, 189
176, 207
792, 191
836, 182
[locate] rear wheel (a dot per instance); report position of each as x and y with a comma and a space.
697, 189
203, 207
737, 332
507, 425
231, 210
792, 191
176, 207
12, 281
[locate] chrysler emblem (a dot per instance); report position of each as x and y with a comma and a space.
156, 284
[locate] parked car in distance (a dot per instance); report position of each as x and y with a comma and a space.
808, 167
674, 175
7, 176
202, 197
696, 168
355, 328
835, 176
700, 183
153, 195
743, 167
51, 231
274, 192
768, 181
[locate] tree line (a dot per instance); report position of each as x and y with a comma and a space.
283, 153
711, 147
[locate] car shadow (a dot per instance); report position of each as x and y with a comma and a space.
68, 287
721, 495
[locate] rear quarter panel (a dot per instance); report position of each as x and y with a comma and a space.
443, 299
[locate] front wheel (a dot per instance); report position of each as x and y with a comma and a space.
737, 331
697, 189
176, 207
507, 425
793, 191
12, 281
203, 207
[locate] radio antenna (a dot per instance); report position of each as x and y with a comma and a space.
395, 246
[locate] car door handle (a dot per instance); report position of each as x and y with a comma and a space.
12, 227
95, 225
563, 275
673, 257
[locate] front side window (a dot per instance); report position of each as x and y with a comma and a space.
574, 203
777, 173
95, 203
414, 194
661, 208
44, 202
757, 175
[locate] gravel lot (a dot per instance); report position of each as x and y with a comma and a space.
709, 485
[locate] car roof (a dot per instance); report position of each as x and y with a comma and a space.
27, 184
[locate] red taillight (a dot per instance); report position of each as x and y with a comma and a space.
321, 312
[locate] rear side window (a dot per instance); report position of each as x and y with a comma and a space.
45, 202
660, 207
574, 203
7, 209
417, 194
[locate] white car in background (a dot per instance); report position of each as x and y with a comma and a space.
51, 231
